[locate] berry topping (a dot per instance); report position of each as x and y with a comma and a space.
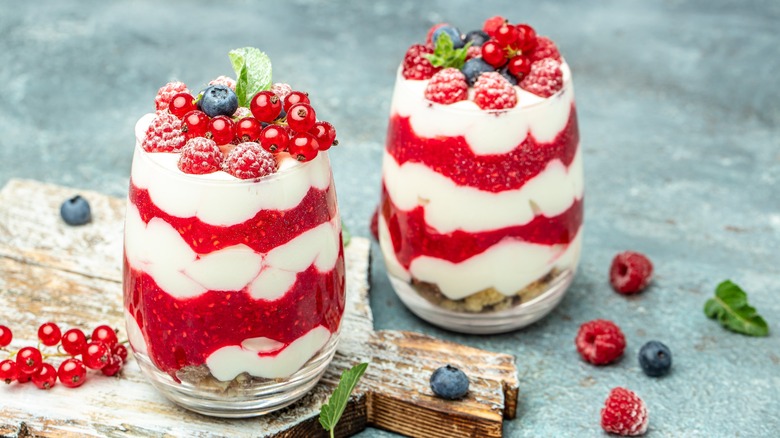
226, 81
164, 134
166, 93
434, 28
6, 336
655, 358
248, 129
9, 371
447, 86
493, 92
219, 100
281, 89
506, 35
493, 54
544, 79
450, 31
181, 104
46, 377
194, 124
600, 342
301, 117
221, 130
95, 355
630, 272
248, 161
274, 138
106, 335
293, 98
519, 66
49, 334
508, 76
200, 156
476, 38
473, 52
415, 65
72, 373
545, 49
76, 211
449, 383
303, 146
473, 68
325, 134
266, 106
526, 37
29, 360
74, 341
624, 413
492, 24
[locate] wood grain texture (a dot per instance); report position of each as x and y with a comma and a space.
72, 275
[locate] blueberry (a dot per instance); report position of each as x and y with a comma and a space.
219, 100
76, 211
508, 76
475, 67
449, 383
453, 32
655, 359
476, 37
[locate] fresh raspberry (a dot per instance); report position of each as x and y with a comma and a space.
164, 134
493, 92
226, 81
166, 93
429, 37
545, 49
242, 112
544, 79
600, 341
281, 90
447, 86
624, 413
248, 161
416, 66
630, 272
473, 52
200, 156
492, 24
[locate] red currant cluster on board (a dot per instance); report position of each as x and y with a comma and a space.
212, 132
100, 351
493, 61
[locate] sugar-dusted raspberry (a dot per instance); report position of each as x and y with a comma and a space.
415, 65
281, 89
242, 112
600, 342
200, 156
630, 272
164, 134
493, 92
624, 413
226, 81
447, 86
249, 160
166, 93
473, 52
544, 79
545, 49
492, 24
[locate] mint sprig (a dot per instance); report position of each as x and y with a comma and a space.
730, 307
253, 70
332, 411
446, 55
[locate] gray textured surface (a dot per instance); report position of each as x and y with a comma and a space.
679, 109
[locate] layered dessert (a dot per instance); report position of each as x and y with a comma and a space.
233, 267
482, 186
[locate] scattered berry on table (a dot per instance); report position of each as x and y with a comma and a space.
301, 117
200, 156
113, 366
415, 65
248, 129
181, 104
492, 24
9, 371
544, 79
194, 124
325, 134
655, 358
45, 377
545, 49
624, 413
24, 378
600, 342
447, 86
630, 272
266, 106
493, 54
226, 81
281, 90
477, 38
74, 341
493, 92
6, 336
221, 130
218, 100
29, 360
76, 211
473, 68
274, 138
72, 373
249, 161
166, 93
165, 133
449, 383
303, 146
295, 97
526, 38
49, 334
95, 355
105, 334
450, 31
121, 351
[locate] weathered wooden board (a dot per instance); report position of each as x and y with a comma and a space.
72, 275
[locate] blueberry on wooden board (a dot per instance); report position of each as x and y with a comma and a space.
76, 211
449, 383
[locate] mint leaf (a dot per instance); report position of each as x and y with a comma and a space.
445, 55
332, 411
258, 73
346, 236
730, 307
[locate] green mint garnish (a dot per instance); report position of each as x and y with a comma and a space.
346, 236
730, 307
445, 55
332, 411
253, 70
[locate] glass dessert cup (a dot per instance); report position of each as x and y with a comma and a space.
233, 289
480, 216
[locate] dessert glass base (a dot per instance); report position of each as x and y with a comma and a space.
243, 397
499, 316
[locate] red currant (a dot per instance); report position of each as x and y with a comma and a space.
95, 355
23, 378
493, 54
248, 129
9, 371
301, 117
519, 66
121, 351
181, 104
274, 138
29, 360
303, 146
265, 106
72, 373
113, 366
74, 341
295, 97
325, 134
6, 336
506, 35
221, 130
49, 334
46, 377
195, 124
526, 37
104, 334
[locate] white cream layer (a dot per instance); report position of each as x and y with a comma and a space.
487, 132
508, 266
450, 207
158, 250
